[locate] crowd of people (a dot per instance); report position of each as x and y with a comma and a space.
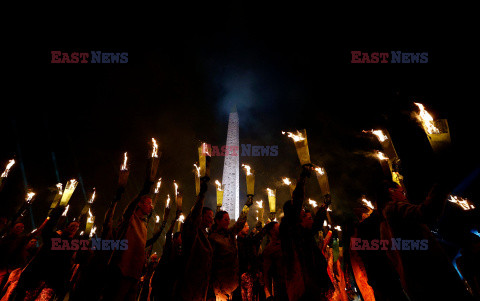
212, 257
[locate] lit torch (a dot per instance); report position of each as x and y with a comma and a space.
260, 211
250, 180
220, 188
67, 193
204, 154
197, 179
57, 196
301, 145
272, 202
92, 233
463, 203
367, 203
322, 180
30, 197
178, 197
291, 185
313, 203
180, 221
90, 222
65, 211
385, 163
156, 191
7, 168
437, 131
124, 165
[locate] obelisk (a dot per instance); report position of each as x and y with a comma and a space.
231, 200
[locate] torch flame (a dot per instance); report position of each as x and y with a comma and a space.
65, 211
381, 156
92, 232
219, 185
270, 192
157, 219
368, 203
325, 223
7, 169
93, 196
379, 133
159, 182
81, 233
259, 204
124, 165
296, 137
461, 202
59, 186
30, 196
205, 149
71, 184
286, 181
247, 169
320, 170
90, 217
313, 203
426, 119
168, 200
198, 170
155, 148
328, 209
176, 188
338, 228
181, 218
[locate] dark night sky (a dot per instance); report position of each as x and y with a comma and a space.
285, 68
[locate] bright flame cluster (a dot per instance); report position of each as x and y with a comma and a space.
381, 156
60, 188
198, 169
90, 217
181, 218
93, 197
270, 192
379, 133
313, 203
7, 169
155, 148
461, 202
338, 228
124, 165
296, 137
92, 232
286, 181
30, 196
320, 170
168, 200
157, 219
65, 211
259, 204
247, 169
426, 119
368, 203
219, 185
157, 188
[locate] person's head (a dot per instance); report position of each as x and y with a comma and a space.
32, 243
273, 230
384, 195
145, 205
71, 228
244, 231
362, 212
222, 220
18, 228
207, 217
306, 219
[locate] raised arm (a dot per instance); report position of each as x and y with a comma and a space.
154, 238
242, 219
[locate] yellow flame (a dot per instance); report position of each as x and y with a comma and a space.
259, 204
59, 187
176, 188
92, 232
338, 228
313, 203
81, 233
124, 165
7, 169
198, 170
381, 156
71, 184
93, 197
181, 218
159, 182
157, 219
65, 211
296, 137
325, 223
379, 133
320, 170
90, 218
368, 203
247, 169
205, 149
426, 119
270, 192
286, 181
155, 148
461, 202
30, 196
219, 185
168, 200
329, 210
